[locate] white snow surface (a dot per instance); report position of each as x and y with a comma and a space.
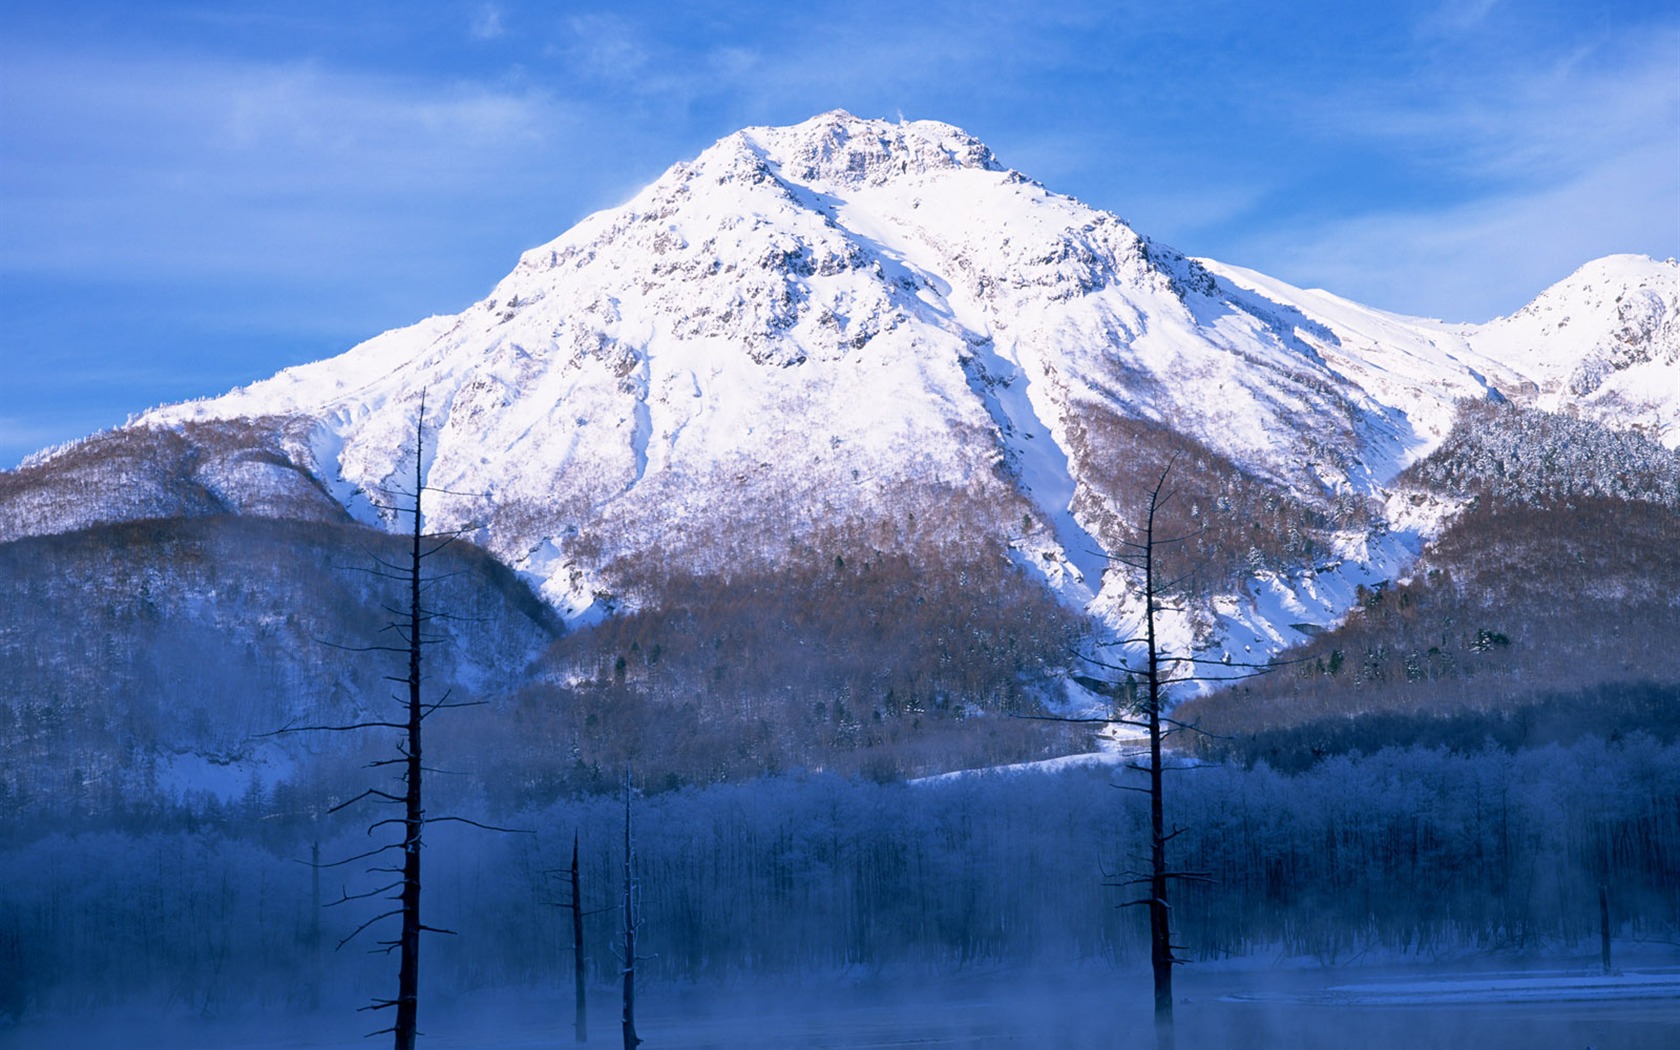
803, 323
1515, 986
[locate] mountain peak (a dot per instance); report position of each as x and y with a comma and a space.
1612, 277
841, 149
1608, 333
872, 329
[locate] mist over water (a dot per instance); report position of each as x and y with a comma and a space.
1074, 1009
1395, 900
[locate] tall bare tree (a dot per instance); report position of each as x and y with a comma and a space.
1140, 700
632, 923
581, 1022
411, 625
574, 904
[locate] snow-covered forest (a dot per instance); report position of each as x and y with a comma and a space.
1425, 854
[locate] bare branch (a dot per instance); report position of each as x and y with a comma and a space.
452, 492
441, 706
1083, 721
1224, 678
344, 897
332, 729
375, 792
358, 930
1109, 666
363, 856
476, 824
361, 648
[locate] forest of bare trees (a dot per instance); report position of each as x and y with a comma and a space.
1467, 764
1416, 853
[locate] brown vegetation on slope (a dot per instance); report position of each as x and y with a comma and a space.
1557, 584
255, 467
850, 659
1236, 522
1513, 605
125, 645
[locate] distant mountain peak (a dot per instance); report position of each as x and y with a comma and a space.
1605, 339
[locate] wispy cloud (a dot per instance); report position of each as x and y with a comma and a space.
1530, 121
239, 166
776, 62
1525, 171
487, 22
201, 175
19, 436
203, 222
1472, 261
1455, 16
607, 47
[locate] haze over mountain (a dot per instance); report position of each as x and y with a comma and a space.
854, 339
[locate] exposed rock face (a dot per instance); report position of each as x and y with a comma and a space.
858, 321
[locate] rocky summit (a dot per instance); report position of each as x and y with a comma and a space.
878, 331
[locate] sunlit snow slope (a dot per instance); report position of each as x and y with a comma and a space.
853, 319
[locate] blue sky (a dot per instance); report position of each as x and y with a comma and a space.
194, 195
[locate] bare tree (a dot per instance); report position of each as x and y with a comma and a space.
574, 904
314, 939
1140, 700
632, 923
411, 626
581, 1023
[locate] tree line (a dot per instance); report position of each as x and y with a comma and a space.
1414, 851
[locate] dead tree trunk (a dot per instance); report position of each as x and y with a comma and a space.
1157, 671
404, 890
315, 925
414, 812
631, 922
581, 1022
1604, 925
1161, 958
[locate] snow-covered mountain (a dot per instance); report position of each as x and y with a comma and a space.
875, 325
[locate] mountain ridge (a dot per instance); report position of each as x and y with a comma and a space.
853, 320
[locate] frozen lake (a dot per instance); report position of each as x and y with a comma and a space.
1455, 1006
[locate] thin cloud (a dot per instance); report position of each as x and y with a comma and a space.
487, 23
1521, 120
19, 435
1533, 168
1455, 17
1478, 260
1441, 158
781, 62
606, 47
215, 166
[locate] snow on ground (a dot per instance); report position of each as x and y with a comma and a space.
1111, 751
223, 777
1510, 987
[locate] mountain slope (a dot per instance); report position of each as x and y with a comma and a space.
156, 659
876, 329
1603, 343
